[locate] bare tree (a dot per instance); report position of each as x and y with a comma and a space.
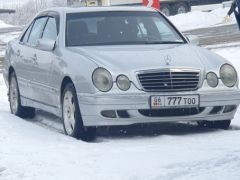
24, 13
40, 4
59, 3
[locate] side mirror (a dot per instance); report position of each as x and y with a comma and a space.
46, 44
193, 39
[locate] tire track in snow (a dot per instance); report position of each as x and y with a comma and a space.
194, 170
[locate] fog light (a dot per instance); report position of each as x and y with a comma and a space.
123, 114
228, 109
109, 114
216, 109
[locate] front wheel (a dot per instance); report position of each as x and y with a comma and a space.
72, 119
215, 124
15, 101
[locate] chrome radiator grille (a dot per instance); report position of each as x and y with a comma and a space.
169, 80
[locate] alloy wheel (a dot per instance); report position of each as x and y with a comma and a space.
69, 112
13, 95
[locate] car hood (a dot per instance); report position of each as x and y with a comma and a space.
133, 58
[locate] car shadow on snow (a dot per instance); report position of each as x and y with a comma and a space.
152, 130
158, 129
54, 123
235, 128
2, 169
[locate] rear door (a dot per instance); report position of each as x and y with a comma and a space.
22, 66
26, 62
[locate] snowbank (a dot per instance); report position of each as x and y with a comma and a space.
4, 25
198, 19
29, 151
6, 37
2, 53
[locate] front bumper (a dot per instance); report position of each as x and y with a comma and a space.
92, 106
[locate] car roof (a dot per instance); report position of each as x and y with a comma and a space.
99, 9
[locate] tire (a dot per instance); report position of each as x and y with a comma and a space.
181, 8
15, 100
71, 116
215, 124
166, 9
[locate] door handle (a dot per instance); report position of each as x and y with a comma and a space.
34, 58
18, 53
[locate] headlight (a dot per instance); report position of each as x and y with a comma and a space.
123, 82
102, 79
228, 75
212, 79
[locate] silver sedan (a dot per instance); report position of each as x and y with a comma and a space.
107, 66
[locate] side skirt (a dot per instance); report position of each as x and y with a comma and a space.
40, 105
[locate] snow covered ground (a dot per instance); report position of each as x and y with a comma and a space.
4, 25
6, 37
30, 151
199, 19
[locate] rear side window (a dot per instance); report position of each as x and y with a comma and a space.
50, 31
26, 35
37, 30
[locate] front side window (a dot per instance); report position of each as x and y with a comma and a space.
37, 30
26, 35
50, 31
116, 28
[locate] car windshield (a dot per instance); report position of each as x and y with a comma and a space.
119, 28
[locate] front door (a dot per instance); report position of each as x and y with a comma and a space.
42, 78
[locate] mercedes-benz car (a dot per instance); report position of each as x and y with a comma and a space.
108, 66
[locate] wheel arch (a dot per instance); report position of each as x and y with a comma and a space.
65, 81
10, 71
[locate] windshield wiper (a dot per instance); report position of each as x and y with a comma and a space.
131, 43
164, 42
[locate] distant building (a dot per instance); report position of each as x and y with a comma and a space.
5, 11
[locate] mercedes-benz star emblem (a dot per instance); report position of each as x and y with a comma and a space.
168, 59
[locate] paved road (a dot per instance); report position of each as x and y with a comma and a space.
217, 35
